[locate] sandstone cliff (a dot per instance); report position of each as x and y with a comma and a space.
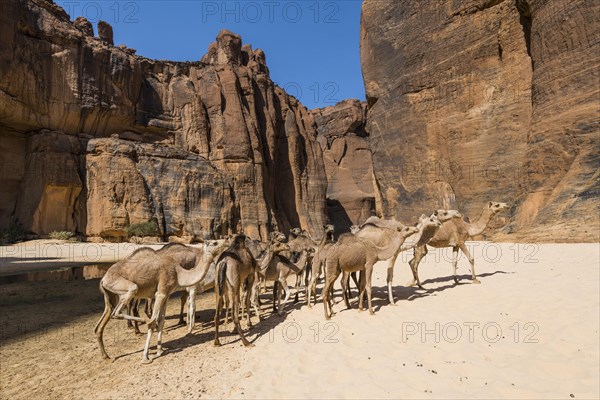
94, 138
351, 189
478, 100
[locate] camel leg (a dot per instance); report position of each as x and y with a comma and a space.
191, 295
136, 313
353, 275
345, 283
455, 262
311, 287
126, 290
367, 283
331, 274
247, 300
218, 309
145, 359
465, 250
161, 324
419, 253
227, 309
235, 299
390, 279
298, 280
148, 307
154, 324
361, 291
184, 298
275, 295
254, 297
286, 289
99, 329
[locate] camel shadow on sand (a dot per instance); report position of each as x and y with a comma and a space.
380, 295
204, 331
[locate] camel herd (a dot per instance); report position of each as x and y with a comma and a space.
239, 267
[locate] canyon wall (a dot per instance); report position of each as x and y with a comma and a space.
475, 100
352, 189
94, 138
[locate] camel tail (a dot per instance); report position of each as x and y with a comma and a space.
221, 271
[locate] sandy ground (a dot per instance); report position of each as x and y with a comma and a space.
530, 330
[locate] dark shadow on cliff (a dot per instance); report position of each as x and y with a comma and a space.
338, 217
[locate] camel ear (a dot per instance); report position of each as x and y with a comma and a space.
490, 204
435, 213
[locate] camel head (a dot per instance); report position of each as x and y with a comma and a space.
431, 221
497, 207
278, 247
215, 247
446, 215
354, 229
277, 236
408, 231
296, 231
328, 228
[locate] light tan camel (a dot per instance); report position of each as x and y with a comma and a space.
278, 270
317, 263
454, 233
353, 254
380, 232
147, 274
187, 257
235, 266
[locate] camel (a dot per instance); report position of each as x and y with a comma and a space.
236, 265
278, 270
352, 254
187, 257
380, 231
317, 263
147, 274
454, 233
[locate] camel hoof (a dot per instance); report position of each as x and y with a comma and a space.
476, 281
455, 281
217, 343
249, 345
146, 361
393, 304
371, 313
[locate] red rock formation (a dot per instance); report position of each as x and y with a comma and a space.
97, 138
479, 100
351, 189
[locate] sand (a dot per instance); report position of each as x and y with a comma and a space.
534, 320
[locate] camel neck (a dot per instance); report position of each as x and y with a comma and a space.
478, 227
192, 277
266, 258
392, 248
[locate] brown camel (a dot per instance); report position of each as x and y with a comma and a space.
278, 270
147, 274
454, 233
235, 266
352, 254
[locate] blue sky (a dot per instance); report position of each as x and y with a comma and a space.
312, 47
